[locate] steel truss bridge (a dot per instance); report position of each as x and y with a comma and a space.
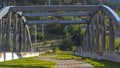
100, 21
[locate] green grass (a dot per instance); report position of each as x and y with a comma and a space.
102, 63
27, 63
96, 63
66, 56
35, 63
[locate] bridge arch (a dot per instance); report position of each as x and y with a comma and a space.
100, 21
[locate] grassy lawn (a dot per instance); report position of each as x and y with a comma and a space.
27, 63
34, 63
96, 63
66, 56
102, 63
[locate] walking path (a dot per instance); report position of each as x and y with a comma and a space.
68, 63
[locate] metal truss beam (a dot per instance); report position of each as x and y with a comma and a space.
56, 22
111, 14
58, 14
4, 11
55, 8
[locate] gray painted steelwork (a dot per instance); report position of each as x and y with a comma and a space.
55, 8
104, 8
58, 14
4, 11
95, 33
57, 22
111, 14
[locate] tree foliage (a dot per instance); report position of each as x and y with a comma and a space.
112, 3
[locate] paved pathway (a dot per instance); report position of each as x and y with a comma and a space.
72, 64
68, 63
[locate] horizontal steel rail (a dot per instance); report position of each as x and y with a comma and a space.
106, 9
55, 8
56, 22
58, 14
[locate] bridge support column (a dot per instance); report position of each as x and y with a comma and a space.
91, 39
112, 39
24, 38
88, 38
29, 44
15, 33
35, 43
8, 32
1, 34
103, 33
92, 35
3, 38
20, 34
88, 41
22, 31
97, 33
85, 43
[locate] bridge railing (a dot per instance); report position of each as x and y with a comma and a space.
102, 26
102, 32
14, 33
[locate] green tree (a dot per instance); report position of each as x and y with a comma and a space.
66, 41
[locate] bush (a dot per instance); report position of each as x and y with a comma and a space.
57, 50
